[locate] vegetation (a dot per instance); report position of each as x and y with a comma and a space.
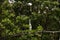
43, 15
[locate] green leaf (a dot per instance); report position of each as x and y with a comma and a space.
40, 28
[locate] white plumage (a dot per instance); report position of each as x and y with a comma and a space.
30, 26
11, 1
30, 4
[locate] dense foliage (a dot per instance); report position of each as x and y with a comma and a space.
14, 18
